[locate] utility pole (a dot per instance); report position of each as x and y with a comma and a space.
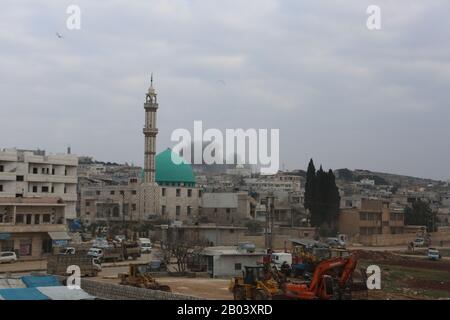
269, 220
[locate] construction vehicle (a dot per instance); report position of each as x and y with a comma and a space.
58, 264
256, 283
332, 279
139, 275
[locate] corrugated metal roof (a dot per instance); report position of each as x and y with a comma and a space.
64, 293
11, 283
22, 294
59, 235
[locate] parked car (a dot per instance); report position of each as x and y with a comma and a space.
95, 253
67, 250
419, 242
8, 257
433, 254
335, 243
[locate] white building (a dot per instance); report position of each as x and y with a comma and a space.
26, 174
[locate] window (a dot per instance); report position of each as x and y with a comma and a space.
215, 210
34, 189
2, 168
65, 189
35, 170
19, 178
37, 219
53, 171
178, 210
133, 207
88, 213
178, 192
238, 266
88, 203
112, 192
97, 192
189, 193
44, 189
43, 170
189, 210
1, 188
163, 191
228, 210
163, 210
53, 190
199, 193
65, 172
46, 218
19, 218
133, 192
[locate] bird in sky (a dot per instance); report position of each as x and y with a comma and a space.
59, 35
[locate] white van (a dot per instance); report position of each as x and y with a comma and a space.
146, 245
278, 258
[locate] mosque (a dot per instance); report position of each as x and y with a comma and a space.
165, 189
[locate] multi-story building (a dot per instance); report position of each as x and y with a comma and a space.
37, 198
227, 208
372, 217
34, 174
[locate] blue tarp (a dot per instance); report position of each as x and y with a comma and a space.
40, 281
22, 294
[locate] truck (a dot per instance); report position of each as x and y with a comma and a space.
278, 258
145, 245
58, 264
115, 253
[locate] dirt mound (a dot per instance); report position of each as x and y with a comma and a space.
377, 255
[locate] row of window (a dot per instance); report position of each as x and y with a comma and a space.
178, 192
46, 189
369, 216
45, 171
177, 210
33, 218
133, 205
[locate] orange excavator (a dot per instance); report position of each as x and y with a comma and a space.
330, 279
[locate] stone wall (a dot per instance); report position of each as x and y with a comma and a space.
112, 291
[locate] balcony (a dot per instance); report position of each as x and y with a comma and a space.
7, 176
47, 178
25, 228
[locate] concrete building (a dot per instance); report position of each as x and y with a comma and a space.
225, 262
212, 234
227, 208
26, 174
32, 226
373, 217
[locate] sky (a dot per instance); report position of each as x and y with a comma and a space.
339, 93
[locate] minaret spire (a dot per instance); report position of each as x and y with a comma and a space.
150, 131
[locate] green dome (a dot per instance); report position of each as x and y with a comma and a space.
169, 173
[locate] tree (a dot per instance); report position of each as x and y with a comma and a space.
322, 197
309, 185
420, 214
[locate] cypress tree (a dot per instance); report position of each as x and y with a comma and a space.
309, 185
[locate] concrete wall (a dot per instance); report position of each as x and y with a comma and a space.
119, 292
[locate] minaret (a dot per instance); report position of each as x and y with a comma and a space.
150, 132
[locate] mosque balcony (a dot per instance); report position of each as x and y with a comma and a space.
150, 131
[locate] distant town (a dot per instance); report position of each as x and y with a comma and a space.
214, 222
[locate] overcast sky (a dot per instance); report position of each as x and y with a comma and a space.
338, 92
